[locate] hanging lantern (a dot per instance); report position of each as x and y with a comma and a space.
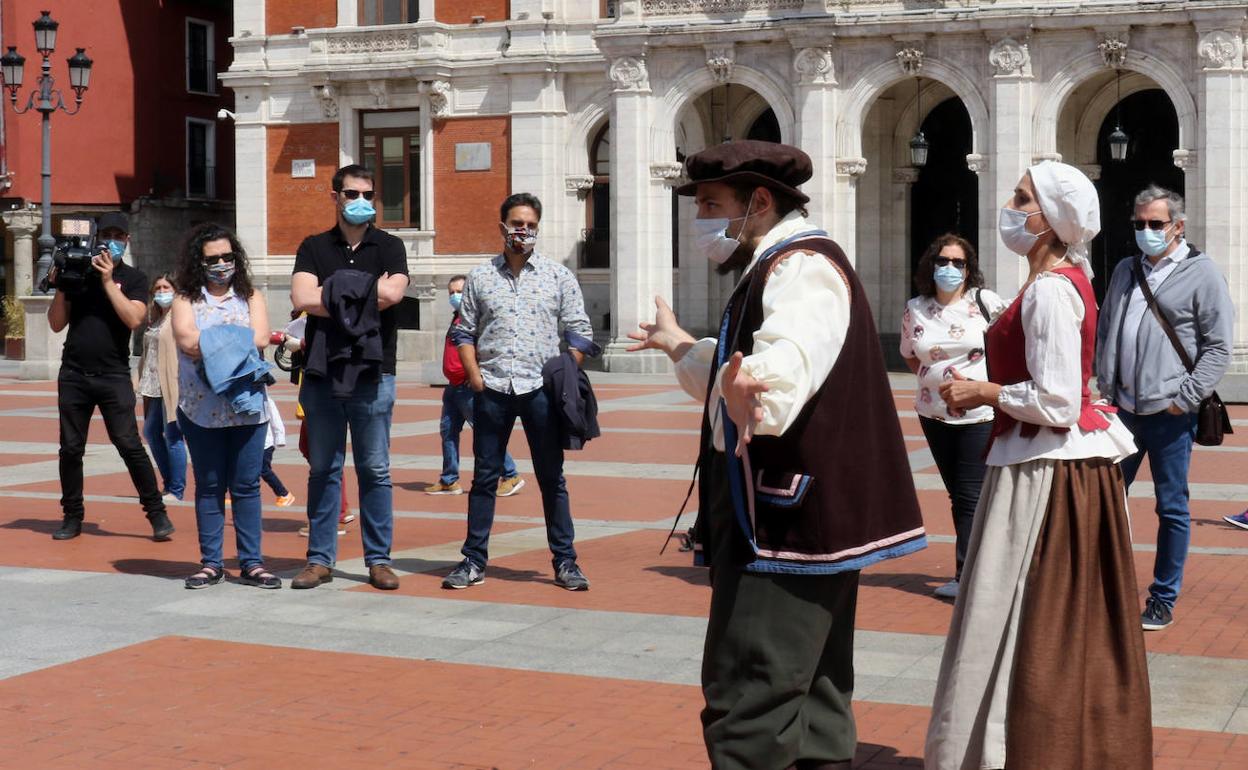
918, 144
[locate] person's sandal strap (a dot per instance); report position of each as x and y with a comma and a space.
261, 576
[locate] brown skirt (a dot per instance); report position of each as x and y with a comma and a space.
1079, 693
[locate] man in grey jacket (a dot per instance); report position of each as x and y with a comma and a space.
1138, 368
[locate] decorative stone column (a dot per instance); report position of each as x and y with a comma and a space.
816, 133
1220, 216
43, 346
1011, 100
641, 244
22, 224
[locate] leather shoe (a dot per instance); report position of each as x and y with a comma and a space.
71, 527
311, 576
382, 577
162, 528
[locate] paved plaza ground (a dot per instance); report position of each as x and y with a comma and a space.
107, 662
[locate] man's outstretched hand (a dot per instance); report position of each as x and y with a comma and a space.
741, 392
664, 334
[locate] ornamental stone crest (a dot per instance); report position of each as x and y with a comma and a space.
905, 175
580, 184
814, 65
910, 59
1113, 49
1221, 50
851, 167
977, 163
438, 92
1010, 58
380, 93
719, 60
671, 172
689, 7
1185, 159
328, 97
628, 73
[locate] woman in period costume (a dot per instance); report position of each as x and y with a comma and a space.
1044, 666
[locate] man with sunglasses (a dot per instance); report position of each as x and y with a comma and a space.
95, 372
1138, 368
355, 244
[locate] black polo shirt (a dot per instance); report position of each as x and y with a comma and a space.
98, 341
379, 252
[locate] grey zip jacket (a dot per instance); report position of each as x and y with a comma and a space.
1196, 301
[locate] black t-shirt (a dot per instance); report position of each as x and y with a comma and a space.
98, 341
379, 252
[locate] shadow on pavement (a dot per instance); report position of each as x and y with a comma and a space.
48, 526
698, 576
910, 582
872, 756
178, 570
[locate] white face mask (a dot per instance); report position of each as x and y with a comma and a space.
710, 236
1012, 226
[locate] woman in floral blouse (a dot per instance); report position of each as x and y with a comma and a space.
942, 338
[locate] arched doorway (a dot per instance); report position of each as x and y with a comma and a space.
945, 197
1149, 119
596, 237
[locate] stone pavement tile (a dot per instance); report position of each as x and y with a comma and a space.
1211, 617
640, 418
612, 447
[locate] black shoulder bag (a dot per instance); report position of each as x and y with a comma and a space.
1212, 420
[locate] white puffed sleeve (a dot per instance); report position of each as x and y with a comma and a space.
693, 371
1052, 312
805, 320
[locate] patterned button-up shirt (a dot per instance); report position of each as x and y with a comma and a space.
517, 321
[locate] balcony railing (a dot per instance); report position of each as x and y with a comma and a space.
653, 8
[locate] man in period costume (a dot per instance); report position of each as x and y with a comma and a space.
805, 478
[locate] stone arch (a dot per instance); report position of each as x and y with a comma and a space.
693, 85
1094, 114
1063, 84
934, 94
582, 129
885, 75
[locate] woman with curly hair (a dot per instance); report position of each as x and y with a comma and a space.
220, 323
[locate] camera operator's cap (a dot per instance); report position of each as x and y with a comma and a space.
778, 166
114, 219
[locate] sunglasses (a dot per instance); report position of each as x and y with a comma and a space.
227, 257
958, 263
1151, 224
353, 194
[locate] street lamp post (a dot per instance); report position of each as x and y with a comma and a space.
46, 100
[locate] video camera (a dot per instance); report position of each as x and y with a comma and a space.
71, 256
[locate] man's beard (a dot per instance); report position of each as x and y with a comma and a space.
739, 260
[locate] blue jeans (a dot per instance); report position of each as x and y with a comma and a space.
226, 458
457, 410
494, 415
1167, 439
326, 419
164, 437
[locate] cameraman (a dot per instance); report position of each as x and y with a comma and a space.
101, 312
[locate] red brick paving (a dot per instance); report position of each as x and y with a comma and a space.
181, 702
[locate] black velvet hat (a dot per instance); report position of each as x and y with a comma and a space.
778, 166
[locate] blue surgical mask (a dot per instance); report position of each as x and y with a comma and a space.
456, 299
116, 248
1152, 242
359, 212
221, 273
163, 298
948, 278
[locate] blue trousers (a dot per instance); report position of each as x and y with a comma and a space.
226, 459
1167, 440
457, 410
168, 446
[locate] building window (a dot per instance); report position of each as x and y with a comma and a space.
374, 12
201, 158
390, 148
201, 68
596, 237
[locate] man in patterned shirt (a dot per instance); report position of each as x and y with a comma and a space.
515, 311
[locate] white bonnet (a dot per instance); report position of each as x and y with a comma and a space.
1070, 203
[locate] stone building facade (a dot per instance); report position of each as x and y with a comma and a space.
593, 104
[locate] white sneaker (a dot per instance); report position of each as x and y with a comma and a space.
169, 498
947, 591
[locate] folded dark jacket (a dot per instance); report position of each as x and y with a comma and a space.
572, 397
347, 346
233, 367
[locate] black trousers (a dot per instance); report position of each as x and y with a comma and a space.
78, 395
778, 665
959, 454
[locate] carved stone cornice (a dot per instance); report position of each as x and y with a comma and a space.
814, 66
671, 172
851, 167
719, 60
628, 73
580, 184
1185, 159
1010, 58
1221, 49
977, 163
694, 7
371, 41
905, 175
